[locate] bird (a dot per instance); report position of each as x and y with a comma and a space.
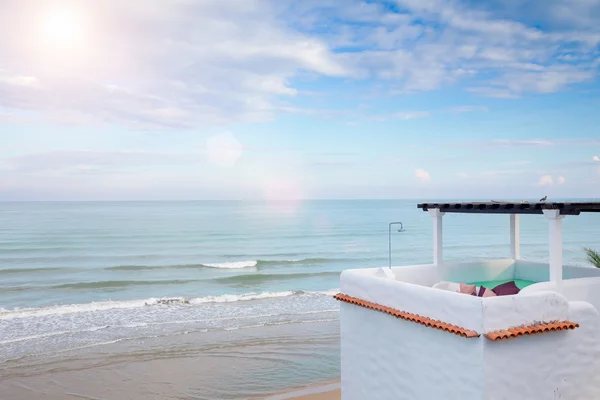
544, 198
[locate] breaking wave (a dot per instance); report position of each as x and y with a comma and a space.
219, 265
6, 315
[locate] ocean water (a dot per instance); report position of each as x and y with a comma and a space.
88, 280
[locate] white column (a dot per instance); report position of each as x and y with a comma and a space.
438, 255
515, 239
555, 243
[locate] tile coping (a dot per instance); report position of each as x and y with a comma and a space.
457, 330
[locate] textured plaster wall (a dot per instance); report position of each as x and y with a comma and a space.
504, 312
581, 289
558, 365
388, 358
450, 307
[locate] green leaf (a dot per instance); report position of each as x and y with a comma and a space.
593, 257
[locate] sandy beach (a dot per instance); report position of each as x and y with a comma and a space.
329, 395
252, 363
322, 391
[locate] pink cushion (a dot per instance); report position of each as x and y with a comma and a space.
489, 293
467, 289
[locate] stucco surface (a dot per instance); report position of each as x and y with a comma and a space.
387, 358
558, 365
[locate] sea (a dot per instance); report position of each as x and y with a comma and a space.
209, 299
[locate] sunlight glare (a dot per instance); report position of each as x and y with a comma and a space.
62, 27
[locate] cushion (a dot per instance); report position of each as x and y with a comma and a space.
467, 289
488, 293
507, 288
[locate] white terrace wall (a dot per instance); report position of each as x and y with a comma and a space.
579, 289
484, 270
385, 358
558, 365
430, 274
540, 272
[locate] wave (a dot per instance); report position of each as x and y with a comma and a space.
34, 270
222, 265
119, 284
232, 265
51, 334
236, 280
227, 265
263, 278
8, 314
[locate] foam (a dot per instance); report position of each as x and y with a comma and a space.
46, 335
233, 264
6, 315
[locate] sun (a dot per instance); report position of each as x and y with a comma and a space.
62, 27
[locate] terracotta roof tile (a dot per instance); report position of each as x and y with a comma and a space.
408, 316
531, 330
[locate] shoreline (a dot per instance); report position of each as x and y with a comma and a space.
322, 391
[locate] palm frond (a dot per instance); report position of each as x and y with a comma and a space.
593, 257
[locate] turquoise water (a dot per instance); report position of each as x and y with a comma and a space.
520, 283
75, 275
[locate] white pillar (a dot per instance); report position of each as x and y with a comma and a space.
556, 263
515, 237
438, 255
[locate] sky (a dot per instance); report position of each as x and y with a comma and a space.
281, 99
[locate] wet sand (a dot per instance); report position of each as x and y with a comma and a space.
244, 364
330, 395
322, 391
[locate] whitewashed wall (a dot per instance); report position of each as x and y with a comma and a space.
540, 272
557, 365
483, 270
387, 358
581, 289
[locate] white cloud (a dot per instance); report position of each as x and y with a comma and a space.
412, 114
79, 161
167, 64
462, 175
546, 180
501, 172
223, 150
516, 163
523, 142
422, 175
509, 143
596, 158
463, 109
500, 56
156, 64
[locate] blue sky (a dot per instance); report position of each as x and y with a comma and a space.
224, 99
